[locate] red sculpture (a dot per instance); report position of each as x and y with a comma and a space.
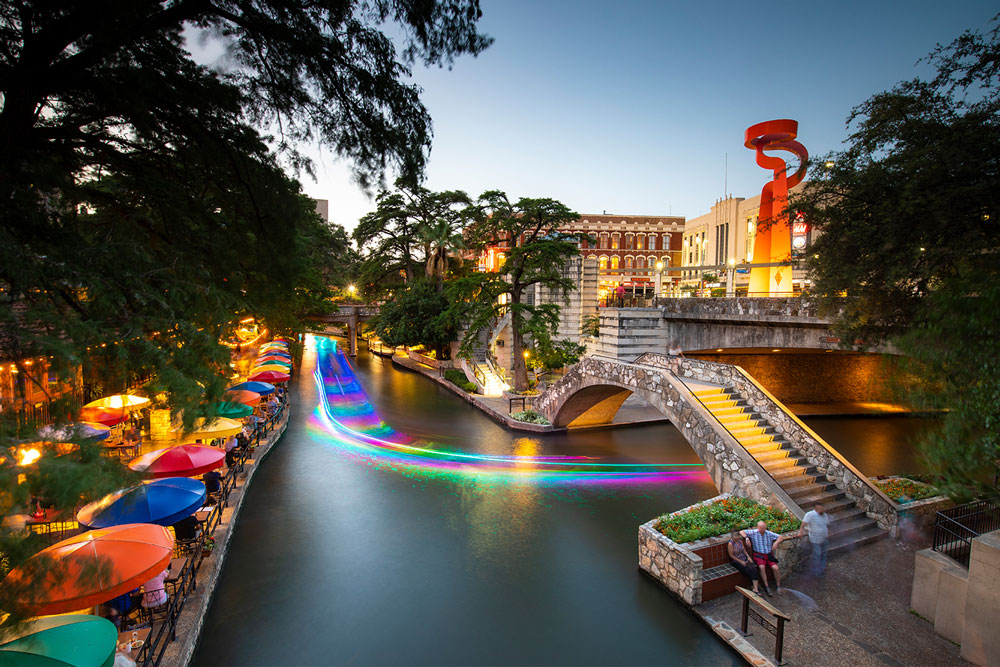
773, 238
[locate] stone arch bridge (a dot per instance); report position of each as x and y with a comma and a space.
350, 316
750, 443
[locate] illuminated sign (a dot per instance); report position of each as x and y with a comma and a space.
800, 233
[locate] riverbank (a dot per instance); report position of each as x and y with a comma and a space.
192, 618
497, 408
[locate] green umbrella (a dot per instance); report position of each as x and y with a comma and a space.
80, 640
231, 410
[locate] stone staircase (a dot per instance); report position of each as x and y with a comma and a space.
850, 526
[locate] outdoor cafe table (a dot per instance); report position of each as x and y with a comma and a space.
125, 450
140, 633
43, 525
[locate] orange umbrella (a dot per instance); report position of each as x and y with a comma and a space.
269, 376
250, 398
106, 416
90, 568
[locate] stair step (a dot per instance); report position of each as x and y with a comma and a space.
778, 455
778, 465
808, 490
779, 473
830, 505
855, 525
762, 443
792, 482
751, 430
852, 540
720, 403
729, 412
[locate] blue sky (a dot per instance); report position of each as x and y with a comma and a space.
631, 107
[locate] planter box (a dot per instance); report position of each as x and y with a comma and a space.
433, 363
681, 567
918, 514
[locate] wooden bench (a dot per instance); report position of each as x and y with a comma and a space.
777, 628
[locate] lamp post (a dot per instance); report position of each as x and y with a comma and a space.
659, 278
731, 278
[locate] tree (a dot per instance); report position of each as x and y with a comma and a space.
909, 219
536, 253
442, 237
405, 230
417, 315
141, 210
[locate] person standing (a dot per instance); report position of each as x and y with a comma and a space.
816, 523
675, 353
764, 542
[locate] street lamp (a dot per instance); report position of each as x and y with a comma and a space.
352, 289
659, 277
731, 278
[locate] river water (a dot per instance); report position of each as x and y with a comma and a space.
346, 555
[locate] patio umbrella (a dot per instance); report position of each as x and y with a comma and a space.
89, 568
210, 429
274, 346
104, 416
161, 501
180, 461
232, 410
271, 367
126, 402
88, 430
275, 357
270, 376
77, 640
250, 398
262, 388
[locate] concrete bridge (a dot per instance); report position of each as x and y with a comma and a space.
351, 316
717, 323
751, 444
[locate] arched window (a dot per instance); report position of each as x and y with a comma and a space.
640, 262
614, 262
628, 262
652, 261
640, 239
603, 242
604, 262
614, 241
652, 238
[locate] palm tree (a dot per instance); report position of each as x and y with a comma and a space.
441, 238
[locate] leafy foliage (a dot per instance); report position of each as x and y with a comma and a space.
415, 316
911, 236
558, 354
536, 253
904, 490
722, 517
457, 377
531, 417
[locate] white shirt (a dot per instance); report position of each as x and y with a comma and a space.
817, 525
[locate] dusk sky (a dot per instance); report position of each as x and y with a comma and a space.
631, 107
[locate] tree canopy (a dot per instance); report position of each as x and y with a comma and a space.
911, 236
535, 253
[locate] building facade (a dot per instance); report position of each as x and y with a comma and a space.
724, 237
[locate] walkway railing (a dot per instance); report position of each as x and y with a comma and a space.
165, 628
955, 528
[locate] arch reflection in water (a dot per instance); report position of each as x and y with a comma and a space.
347, 420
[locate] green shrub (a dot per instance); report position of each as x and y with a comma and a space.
531, 417
722, 517
905, 490
457, 378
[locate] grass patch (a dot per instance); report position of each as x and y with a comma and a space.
722, 517
457, 378
531, 417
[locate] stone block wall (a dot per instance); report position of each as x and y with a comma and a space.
827, 460
679, 567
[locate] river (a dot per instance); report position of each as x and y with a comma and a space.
345, 556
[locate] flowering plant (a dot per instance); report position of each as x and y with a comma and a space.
904, 490
721, 517
209, 544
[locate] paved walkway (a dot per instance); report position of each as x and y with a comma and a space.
857, 614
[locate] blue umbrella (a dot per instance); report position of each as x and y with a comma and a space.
262, 388
162, 501
79, 429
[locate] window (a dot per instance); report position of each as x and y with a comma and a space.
722, 244
614, 241
628, 262
652, 262
639, 240
614, 263
604, 262
640, 262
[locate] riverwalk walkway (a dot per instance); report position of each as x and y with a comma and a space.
857, 613
192, 617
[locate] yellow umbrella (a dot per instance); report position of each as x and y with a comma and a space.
205, 429
272, 367
126, 402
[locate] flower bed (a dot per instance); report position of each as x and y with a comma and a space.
722, 516
531, 417
903, 489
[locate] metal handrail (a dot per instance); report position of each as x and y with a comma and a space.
956, 527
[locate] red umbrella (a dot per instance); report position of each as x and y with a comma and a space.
90, 568
179, 461
269, 376
106, 416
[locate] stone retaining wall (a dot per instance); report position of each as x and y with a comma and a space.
920, 514
679, 568
827, 460
424, 359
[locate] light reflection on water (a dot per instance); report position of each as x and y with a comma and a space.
340, 558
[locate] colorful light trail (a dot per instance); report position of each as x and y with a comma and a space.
347, 419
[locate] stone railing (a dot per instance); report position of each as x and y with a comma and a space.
827, 460
752, 309
424, 359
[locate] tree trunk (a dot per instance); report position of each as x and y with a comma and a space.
517, 365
